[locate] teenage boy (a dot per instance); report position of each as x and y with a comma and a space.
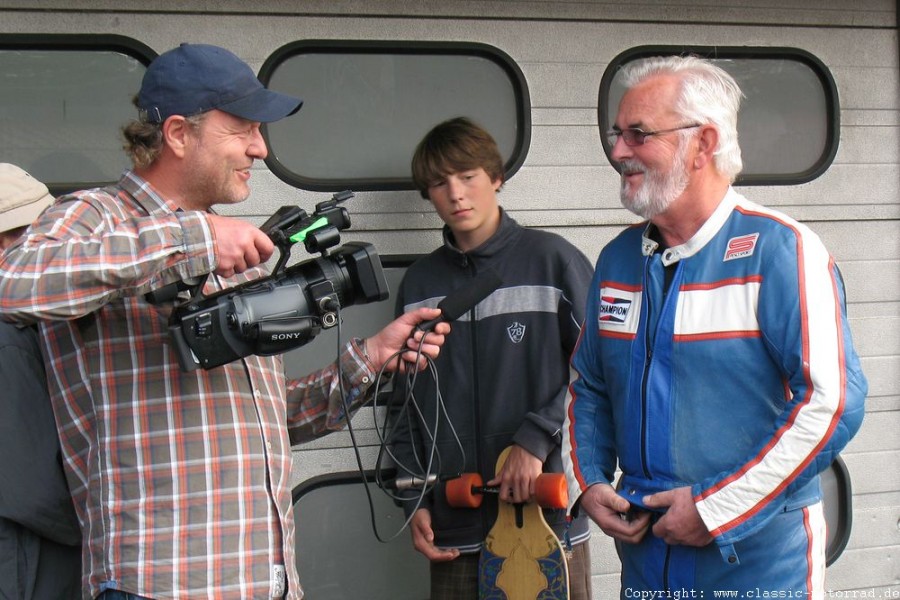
503, 375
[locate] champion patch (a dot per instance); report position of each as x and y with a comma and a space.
516, 332
741, 246
613, 310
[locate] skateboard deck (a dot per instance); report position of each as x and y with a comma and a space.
521, 559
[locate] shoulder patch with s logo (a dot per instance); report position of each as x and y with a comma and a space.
741, 246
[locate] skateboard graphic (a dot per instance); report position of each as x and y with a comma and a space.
521, 558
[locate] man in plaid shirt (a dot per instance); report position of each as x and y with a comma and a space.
180, 479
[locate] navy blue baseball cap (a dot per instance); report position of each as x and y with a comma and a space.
195, 78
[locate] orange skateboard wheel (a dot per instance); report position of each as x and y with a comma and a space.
551, 491
461, 491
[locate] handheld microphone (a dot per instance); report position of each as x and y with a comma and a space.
455, 304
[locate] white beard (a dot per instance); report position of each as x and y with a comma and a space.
658, 190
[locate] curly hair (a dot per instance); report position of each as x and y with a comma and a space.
144, 140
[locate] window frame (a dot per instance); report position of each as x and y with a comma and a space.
335, 46
80, 42
832, 100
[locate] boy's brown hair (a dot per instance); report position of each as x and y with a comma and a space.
451, 147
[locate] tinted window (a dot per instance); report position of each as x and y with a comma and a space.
63, 101
789, 120
367, 105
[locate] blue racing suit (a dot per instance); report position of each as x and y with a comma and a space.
724, 364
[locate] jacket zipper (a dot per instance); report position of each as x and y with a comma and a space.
476, 403
648, 357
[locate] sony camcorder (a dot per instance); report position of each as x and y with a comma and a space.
288, 308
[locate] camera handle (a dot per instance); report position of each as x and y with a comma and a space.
289, 225
319, 232
169, 293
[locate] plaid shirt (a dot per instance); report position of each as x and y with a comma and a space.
181, 480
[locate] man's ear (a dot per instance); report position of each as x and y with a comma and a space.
707, 143
175, 131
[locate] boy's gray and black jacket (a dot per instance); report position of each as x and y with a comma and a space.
503, 371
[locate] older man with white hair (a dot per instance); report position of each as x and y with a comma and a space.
715, 367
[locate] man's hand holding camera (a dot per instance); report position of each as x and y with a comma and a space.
240, 245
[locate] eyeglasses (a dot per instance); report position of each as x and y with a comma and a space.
633, 136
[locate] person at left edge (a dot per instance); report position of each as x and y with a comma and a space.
40, 540
181, 480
